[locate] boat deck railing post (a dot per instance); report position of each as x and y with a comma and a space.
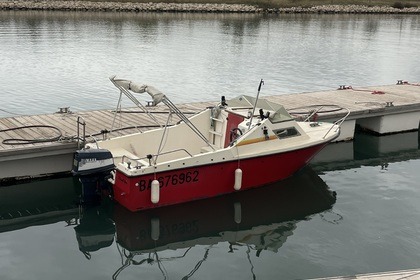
337, 123
81, 141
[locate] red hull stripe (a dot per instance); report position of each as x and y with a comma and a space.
182, 185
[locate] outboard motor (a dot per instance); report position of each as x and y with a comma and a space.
92, 161
94, 189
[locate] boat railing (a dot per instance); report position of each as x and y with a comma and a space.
82, 137
146, 161
81, 140
138, 161
95, 140
174, 151
337, 124
312, 113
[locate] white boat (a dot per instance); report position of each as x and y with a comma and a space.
241, 143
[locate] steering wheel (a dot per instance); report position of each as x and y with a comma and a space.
235, 133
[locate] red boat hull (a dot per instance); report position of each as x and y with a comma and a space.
182, 185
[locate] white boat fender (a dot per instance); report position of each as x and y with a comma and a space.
155, 231
237, 212
155, 191
238, 179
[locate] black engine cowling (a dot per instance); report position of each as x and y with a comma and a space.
92, 161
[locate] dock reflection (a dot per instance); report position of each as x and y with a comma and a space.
38, 203
368, 150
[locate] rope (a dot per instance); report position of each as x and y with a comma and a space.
363, 90
22, 141
154, 112
337, 108
122, 128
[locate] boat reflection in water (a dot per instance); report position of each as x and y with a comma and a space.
261, 219
95, 230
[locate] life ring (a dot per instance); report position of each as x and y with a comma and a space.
235, 133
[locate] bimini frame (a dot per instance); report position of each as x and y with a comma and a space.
125, 86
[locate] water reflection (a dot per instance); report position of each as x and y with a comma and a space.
368, 150
38, 203
188, 239
259, 220
95, 230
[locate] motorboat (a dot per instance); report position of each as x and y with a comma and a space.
238, 144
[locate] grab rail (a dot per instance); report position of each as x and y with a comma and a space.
136, 160
81, 122
338, 123
149, 157
312, 114
176, 150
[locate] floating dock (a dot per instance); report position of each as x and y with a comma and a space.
392, 275
43, 145
380, 109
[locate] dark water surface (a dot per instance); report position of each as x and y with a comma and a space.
355, 214
295, 229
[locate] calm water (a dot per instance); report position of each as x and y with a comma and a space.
51, 60
296, 229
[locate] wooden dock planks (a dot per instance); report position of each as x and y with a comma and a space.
361, 102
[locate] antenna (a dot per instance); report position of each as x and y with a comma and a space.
256, 101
